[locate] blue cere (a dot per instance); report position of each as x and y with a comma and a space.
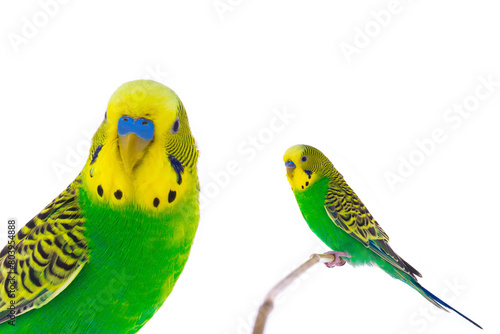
289, 164
142, 127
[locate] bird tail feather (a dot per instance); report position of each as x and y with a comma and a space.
438, 301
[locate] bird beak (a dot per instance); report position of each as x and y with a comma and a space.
131, 150
290, 167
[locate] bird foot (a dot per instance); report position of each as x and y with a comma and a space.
338, 262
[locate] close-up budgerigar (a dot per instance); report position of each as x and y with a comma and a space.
337, 216
105, 254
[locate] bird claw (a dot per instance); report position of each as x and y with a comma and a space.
338, 262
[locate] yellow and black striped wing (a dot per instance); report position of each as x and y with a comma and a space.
350, 214
44, 256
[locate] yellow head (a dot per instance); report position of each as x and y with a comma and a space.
305, 165
143, 152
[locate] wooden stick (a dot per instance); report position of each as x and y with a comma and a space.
268, 304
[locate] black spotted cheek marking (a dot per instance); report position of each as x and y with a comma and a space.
100, 191
118, 194
178, 168
156, 202
171, 196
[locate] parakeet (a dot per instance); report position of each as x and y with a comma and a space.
104, 255
337, 216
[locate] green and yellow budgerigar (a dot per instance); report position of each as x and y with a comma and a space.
337, 216
106, 253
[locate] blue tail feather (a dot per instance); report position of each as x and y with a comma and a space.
438, 300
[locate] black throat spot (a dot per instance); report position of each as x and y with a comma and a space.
171, 196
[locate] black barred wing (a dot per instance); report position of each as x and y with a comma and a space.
45, 255
350, 214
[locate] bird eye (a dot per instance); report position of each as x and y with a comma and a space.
303, 159
175, 126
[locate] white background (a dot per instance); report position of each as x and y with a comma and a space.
234, 70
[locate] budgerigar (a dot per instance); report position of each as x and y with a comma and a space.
106, 253
338, 217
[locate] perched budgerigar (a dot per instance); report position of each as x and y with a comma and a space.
106, 253
338, 217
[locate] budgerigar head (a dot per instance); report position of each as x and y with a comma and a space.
143, 150
305, 165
